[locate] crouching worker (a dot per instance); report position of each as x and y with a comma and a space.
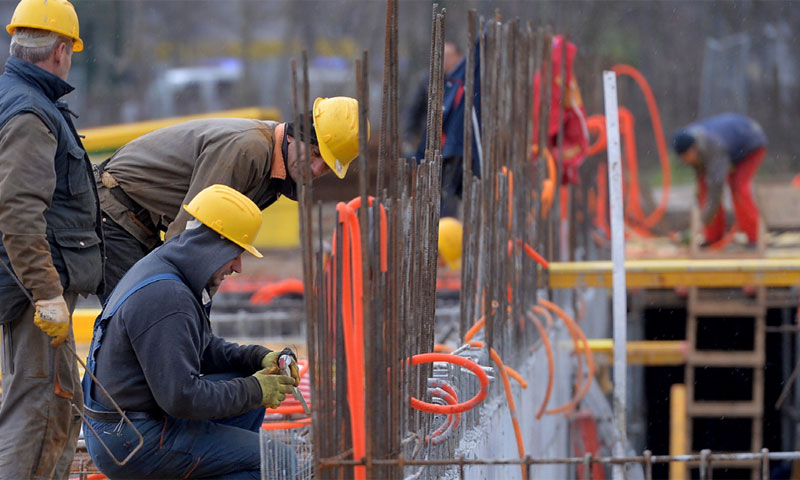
197, 399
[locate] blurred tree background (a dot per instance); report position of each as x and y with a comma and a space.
146, 58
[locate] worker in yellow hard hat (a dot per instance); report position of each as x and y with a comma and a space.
450, 240
197, 400
143, 185
51, 243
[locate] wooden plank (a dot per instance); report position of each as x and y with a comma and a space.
725, 358
722, 408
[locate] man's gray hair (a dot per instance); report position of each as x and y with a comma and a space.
35, 45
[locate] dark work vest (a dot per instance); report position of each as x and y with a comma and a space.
73, 219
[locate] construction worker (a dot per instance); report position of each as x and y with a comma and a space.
416, 113
197, 400
452, 134
51, 242
449, 242
727, 145
143, 185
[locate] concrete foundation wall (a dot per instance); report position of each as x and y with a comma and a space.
494, 438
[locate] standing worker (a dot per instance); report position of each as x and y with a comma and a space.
51, 243
143, 185
727, 145
452, 135
197, 400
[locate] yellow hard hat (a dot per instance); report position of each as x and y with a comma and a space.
229, 213
336, 124
53, 15
450, 233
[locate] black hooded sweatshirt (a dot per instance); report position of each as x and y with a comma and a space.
159, 343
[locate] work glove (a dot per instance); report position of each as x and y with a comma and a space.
52, 316
273, 388
270, 363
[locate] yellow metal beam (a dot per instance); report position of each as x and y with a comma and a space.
768, 272
107, 139
644, 352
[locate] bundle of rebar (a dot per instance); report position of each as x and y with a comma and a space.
371, 307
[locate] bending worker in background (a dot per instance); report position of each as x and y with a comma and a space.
197, 399
727, 145
51, 239
143, 185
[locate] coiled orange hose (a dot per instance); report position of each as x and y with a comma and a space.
422, 406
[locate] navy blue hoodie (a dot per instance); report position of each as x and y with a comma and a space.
159, 343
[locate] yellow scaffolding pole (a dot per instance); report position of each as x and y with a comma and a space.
641, 352
768, 272
107, 139
677, 430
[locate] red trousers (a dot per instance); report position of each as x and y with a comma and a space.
743, 205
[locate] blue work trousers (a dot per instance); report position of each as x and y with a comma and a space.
182, 448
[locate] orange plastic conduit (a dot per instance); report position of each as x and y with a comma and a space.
483, 379
548, 317
286, 425
441, 348
658, 130
512, 409
355, 204
528, 251
587, 350
578, 378
474, 329
270, 291
353, 333
550, 368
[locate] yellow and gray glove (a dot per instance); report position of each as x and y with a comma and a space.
273, 388
270, 363
52, 316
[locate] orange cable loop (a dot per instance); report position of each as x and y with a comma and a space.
462, 362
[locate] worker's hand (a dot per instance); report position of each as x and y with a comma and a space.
270, 363
273, 388
52, 316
